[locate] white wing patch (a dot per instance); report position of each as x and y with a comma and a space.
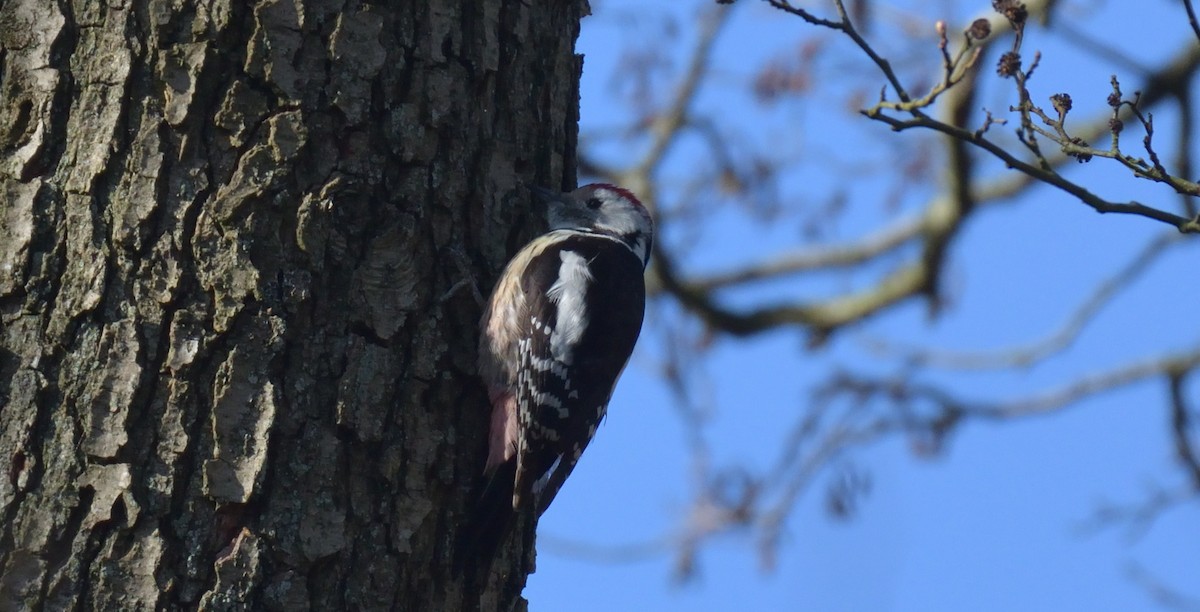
569, 293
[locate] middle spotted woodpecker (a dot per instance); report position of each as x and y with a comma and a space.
558, 330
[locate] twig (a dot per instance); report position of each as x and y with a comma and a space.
820, 257
1181, 426
903, 391
1010, 65
1164, 595
606, 552
821, 318
845, 26
1092, 385
1183, 148
668, 123
1183, 224
1137, 519
1191, 12
1034, 352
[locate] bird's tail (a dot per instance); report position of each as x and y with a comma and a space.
490, 521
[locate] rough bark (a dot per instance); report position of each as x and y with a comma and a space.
239, 248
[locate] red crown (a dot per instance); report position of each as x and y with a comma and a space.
623, 192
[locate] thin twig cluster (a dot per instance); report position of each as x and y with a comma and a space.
1052, 127
852, 410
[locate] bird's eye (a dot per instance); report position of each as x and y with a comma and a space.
594, 203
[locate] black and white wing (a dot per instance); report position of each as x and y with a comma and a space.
586, 297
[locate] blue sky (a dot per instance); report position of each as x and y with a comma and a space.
993, 523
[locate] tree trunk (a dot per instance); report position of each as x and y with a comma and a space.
241, 246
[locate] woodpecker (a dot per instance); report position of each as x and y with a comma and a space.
557, 332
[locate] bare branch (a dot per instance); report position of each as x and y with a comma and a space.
950, 409
1136, 519
815, 257
856, 427
1034, 352
671, 120
1100, 205
1164, 595
800, 470
1181, 426
607, 552
1183, 148
845, 26
1191, 12
1010, 66
935, 227
821, 318
1091, 385
888, 239
852, 411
